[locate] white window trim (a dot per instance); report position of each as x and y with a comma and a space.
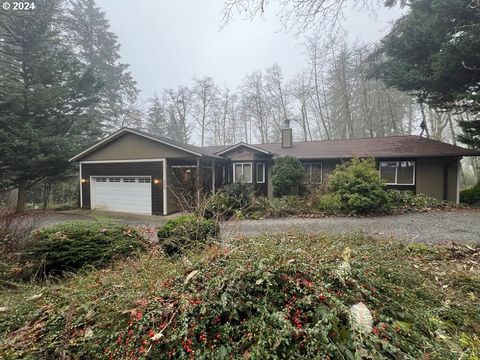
263, 173
243, 164
396, 171
309, 181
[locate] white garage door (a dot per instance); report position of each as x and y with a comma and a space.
125, 194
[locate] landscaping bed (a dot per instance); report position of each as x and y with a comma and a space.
288, 295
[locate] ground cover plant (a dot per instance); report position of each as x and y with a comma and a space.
280, 296
186, 231
71, 246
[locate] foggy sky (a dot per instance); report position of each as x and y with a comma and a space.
168, 42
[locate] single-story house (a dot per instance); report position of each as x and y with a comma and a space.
133, 171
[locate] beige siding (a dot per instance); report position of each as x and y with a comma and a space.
452, 190
241, 154
131, 146
430, 177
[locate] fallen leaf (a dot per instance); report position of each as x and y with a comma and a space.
191, 275
3, 309
35, 297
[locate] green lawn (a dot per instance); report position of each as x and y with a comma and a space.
279, 296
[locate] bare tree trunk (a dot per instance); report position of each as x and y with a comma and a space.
21, 197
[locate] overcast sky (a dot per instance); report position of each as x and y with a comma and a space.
167, 43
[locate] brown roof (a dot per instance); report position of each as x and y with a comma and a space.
382, 147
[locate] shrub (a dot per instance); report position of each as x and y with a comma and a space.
330, 203
359, 187
15, 231
71, 246
186, 231
406, 200
471, 196
234, 197
278, 207
288, 176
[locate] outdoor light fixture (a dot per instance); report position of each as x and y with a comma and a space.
83, 181
156, 181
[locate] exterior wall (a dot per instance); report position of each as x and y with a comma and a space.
245, 155
153, 169
437, 177
131, 146
453, 188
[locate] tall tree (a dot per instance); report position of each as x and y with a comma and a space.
99, 49
278, 101
178, 105
44, 96
205, 95
434, 51
255, 105
156, 121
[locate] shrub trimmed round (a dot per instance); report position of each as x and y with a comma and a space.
359, 187
71, 246
186, 231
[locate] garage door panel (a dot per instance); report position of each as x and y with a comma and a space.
124, 196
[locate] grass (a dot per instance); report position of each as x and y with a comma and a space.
424, 301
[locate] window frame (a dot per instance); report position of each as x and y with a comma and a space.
396, 172
242, 166
309, 164
257, 172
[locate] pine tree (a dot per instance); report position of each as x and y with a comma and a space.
99, 48
44, 96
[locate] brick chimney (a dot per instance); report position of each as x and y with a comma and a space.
287, 135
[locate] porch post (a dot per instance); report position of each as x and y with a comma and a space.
213, 176
198, 181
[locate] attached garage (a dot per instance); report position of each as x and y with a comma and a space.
128, 172
124, 194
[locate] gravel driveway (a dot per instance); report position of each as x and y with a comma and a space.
460, 226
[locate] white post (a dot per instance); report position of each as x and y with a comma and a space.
81, 185
213, 176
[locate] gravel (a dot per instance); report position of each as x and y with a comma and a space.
458, 226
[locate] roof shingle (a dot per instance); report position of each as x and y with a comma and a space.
380, 147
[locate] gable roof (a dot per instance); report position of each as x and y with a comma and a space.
239, 145
380, 147
194, 150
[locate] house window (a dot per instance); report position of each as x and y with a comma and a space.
397, 172
242, 172
260, 173
313, 172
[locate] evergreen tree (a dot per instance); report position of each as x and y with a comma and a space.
471, 133
98, 47
156, 120
434, 51
44, 96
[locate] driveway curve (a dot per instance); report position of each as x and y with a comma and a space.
458, 226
